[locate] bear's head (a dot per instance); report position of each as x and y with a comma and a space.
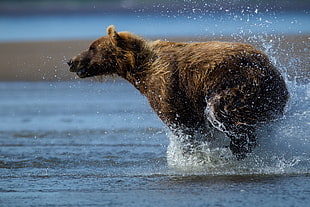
114, 53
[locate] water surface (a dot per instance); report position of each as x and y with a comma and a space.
100, 144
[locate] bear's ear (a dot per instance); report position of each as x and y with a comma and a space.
121, 40
114, 37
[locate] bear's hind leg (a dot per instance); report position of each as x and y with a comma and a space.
223, 112
242, 140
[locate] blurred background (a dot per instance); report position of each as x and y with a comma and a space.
76, 19
27, 27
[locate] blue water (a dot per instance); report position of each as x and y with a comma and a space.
100, 144
64, 27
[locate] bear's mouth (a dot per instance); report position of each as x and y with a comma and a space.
82, 73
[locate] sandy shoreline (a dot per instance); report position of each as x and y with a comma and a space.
46, 61
37, 61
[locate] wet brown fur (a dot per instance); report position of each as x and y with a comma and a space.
191, 86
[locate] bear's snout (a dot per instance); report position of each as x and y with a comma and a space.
73, 64
70, 63
76, 65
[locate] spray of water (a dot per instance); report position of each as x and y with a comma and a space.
284, 145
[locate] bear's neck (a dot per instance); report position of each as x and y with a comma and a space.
137, 72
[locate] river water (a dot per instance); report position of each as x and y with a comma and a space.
100, 144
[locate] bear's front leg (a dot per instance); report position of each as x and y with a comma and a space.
191, 137
187, 125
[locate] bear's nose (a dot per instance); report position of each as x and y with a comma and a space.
70, 63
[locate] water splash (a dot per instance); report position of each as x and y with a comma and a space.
284, 145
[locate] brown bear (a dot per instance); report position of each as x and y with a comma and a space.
194, 87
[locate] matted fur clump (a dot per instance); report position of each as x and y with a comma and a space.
194, 87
